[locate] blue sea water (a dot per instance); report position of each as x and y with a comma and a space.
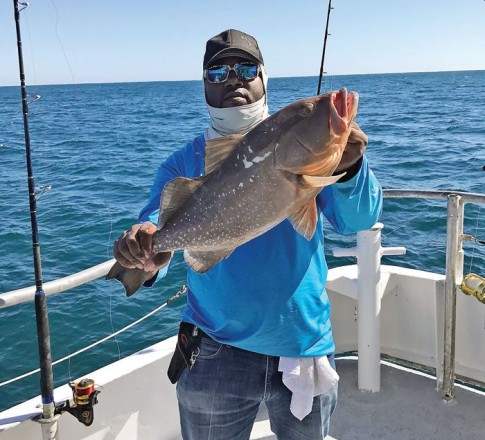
98, 147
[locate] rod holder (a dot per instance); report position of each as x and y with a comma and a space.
369, 252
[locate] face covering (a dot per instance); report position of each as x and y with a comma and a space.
240, 119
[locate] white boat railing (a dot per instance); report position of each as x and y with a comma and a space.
454, 267
454, 270
27, 294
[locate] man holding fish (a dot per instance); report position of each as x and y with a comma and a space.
246, 200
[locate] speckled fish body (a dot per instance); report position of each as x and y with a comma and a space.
254, 182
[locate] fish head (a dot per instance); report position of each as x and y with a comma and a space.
313, 133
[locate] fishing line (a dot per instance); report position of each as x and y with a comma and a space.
104, 198
108, 254
31, 47
108, 250
327, 83
477, 241
41, 190
35, 97
60, 42
476, 229
112, 326
182, 291
455, 178
108, 244
408, 221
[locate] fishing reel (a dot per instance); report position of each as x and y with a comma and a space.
474, 285
84, 397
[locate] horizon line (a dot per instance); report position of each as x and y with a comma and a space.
271, 77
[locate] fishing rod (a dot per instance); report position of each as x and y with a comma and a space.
324, 46
84, 393
42, 319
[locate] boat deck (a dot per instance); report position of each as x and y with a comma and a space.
407, 407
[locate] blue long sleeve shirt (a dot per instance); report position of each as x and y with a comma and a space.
269, 295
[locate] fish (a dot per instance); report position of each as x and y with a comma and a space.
251, 183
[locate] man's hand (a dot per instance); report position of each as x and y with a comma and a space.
134, 249
354, 150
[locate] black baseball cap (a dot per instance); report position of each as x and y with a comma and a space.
232, 43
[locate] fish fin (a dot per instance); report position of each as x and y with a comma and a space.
317, 182
217, 150
305, 219
201, 262
132, 279
174, 195
177, 191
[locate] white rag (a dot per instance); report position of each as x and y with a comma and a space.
306, 378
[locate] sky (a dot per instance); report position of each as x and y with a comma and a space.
96, 41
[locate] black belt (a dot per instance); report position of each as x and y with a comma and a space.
194, 330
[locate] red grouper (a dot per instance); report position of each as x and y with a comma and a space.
251, 183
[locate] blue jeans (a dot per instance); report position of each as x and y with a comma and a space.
220, 397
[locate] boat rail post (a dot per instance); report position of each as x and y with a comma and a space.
369, 253
454, 276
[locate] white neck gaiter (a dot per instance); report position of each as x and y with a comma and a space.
240, 119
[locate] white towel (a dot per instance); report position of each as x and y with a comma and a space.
306, 378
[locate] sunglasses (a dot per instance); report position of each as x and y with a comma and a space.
219, 74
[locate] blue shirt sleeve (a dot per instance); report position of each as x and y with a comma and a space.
354, 205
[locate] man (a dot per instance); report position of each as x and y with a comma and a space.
263, 310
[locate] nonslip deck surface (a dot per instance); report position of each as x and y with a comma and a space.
407, 407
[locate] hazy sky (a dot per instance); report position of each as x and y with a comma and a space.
78, 41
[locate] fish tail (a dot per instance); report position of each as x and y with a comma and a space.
132, 279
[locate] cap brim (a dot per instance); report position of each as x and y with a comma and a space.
232, 52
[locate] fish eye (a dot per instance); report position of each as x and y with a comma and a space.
307, 108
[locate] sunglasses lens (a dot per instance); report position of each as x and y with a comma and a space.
246, 71
217, 74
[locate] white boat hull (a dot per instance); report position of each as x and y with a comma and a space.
137, 401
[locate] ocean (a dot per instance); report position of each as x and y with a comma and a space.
96, 148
